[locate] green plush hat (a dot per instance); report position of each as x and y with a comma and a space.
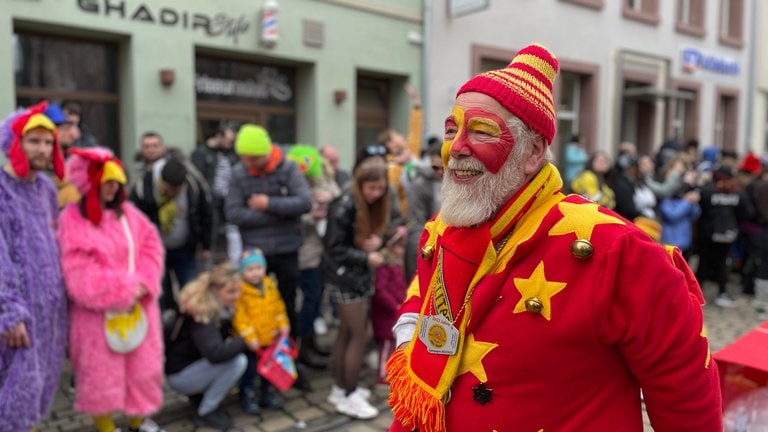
308, 159
253, 140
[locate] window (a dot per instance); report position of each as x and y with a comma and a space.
690, 17
645, 11
726, 119
372, 110
568, 108
576, 105
732, 22
62, 69
246, 92
487, 64
685, 119
765, 121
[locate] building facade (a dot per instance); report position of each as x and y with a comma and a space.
642, 71
311, 71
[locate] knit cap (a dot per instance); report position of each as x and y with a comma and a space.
55, 113
253, 140
524, 88
174, 173
751, 164
252, 256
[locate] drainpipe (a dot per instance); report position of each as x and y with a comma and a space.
425, 52
751, 89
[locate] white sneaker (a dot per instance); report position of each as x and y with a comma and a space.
725, 300
149, 425
357, 407
338, 393
320, 326
372, 360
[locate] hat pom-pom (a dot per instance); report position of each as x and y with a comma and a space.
6, 132
79, 163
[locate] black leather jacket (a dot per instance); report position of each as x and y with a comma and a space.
343, 263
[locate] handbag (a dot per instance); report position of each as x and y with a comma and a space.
125, 331
276, 363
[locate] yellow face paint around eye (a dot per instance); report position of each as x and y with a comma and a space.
484, 125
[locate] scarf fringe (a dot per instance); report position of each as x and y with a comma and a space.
411, 405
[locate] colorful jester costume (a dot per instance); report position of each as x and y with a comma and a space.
555, 313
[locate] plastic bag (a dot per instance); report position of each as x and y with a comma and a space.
748, 412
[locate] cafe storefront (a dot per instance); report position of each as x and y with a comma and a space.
181, 69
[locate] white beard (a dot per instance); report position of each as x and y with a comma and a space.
465, 205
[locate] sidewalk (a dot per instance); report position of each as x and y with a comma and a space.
310, 412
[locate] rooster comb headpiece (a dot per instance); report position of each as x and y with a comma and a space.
12, 131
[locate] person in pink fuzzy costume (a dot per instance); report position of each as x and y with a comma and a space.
112, 258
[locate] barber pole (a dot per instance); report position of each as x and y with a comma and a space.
269, 33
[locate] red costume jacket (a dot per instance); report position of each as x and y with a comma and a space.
555, 334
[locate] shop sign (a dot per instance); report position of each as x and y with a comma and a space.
216, 25
269, 85
695, 59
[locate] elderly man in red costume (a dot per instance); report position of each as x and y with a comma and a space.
533, 311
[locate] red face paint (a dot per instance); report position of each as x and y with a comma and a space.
480, 134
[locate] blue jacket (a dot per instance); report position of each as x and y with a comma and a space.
677, 218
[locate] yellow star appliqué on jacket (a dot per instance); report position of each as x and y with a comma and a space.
709, 353
472, 357
581, 219
539, 287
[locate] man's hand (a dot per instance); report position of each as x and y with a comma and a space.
17, 337
285, 330
414, 94
258, 202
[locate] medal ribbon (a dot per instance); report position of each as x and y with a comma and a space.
464, 256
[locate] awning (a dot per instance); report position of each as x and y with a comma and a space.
649, 92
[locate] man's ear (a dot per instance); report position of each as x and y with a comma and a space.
536, 155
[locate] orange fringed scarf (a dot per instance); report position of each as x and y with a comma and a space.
420, 380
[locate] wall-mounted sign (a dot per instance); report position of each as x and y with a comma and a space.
695, 59
457, 8
219, 24
224, 80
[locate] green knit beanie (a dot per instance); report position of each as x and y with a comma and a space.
253, 140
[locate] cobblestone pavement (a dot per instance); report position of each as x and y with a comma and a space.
310, 411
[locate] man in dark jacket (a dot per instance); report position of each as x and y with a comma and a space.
214, 160
179, 204
267, 196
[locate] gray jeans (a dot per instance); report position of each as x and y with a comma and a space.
213, 380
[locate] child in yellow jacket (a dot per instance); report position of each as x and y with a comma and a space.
260, 317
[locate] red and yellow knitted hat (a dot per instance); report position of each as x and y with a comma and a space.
524, 88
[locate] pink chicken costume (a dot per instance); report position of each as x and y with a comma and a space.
95, 257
